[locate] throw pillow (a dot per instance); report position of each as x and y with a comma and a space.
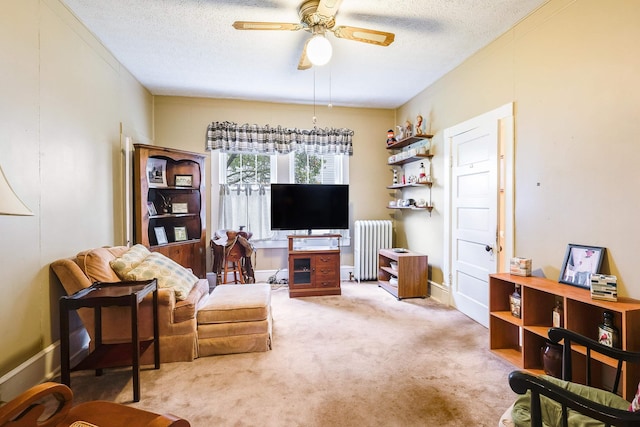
635, 403
169, 274
129, 260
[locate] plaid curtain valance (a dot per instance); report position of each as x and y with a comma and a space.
231, 137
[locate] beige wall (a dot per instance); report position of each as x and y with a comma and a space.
182, 123
571, 70
64, 98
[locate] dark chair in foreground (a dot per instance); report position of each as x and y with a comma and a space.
604, 406
50, 405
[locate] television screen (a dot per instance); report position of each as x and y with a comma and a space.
309, 206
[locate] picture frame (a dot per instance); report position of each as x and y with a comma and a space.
579, 262
161, 235
180, 208
151, 208
183, 180
156, 172
180, 234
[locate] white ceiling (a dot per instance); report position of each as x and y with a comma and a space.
189, 48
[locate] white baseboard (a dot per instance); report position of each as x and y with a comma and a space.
41, 367
439, 292
346, 273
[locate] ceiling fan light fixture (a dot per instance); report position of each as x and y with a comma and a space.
319, 50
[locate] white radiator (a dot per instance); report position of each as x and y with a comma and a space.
369, 237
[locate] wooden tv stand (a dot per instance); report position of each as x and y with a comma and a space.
314, 269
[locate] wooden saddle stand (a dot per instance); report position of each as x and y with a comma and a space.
231, 252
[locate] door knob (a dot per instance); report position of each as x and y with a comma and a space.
488, 248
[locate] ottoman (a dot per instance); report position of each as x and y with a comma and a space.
235, 319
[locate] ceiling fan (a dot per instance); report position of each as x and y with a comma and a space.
318, 17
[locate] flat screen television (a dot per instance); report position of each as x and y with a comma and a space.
309, 206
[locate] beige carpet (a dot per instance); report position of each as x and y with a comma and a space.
359, 359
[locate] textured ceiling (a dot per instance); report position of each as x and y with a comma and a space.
189, 48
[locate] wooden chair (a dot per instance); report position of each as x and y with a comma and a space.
50, 405
521, 382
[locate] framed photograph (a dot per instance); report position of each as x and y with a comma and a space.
179, 208
161, 235
152, 209
180, 233
579, 262
183, 181
156, 172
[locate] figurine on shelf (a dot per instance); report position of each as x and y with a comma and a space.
391, 137
419, 125
422, 175
400, 133
407, 129
166, 203
395, 177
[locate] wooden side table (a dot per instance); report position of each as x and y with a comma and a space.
97, 296
410, 273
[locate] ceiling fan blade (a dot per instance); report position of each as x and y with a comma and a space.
252, 25
304, 63
328, 8
379, 38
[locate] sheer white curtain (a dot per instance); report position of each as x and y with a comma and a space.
246, 205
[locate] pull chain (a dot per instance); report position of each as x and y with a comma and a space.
315, 118
330, 104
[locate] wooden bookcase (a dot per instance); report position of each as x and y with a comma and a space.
178, 207
411, 273
314, 265
519, 340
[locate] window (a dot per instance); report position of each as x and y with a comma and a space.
245, 191
318, 168
246, 168
321, 169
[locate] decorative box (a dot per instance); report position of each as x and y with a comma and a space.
521, 266
604, 287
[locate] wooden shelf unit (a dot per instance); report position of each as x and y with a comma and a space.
411, 273
314, 270
519, 341
408, 141
411, 159
190, 253
426, 157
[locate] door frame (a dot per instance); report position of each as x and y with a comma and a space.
503, 118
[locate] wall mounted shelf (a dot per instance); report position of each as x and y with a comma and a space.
415, 157
411, 159
408, 141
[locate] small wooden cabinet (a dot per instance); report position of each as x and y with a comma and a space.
170, 204
409, 277
314, 265
519, 340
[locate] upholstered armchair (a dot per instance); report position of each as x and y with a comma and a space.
177, 316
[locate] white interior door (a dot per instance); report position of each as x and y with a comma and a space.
475, 230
